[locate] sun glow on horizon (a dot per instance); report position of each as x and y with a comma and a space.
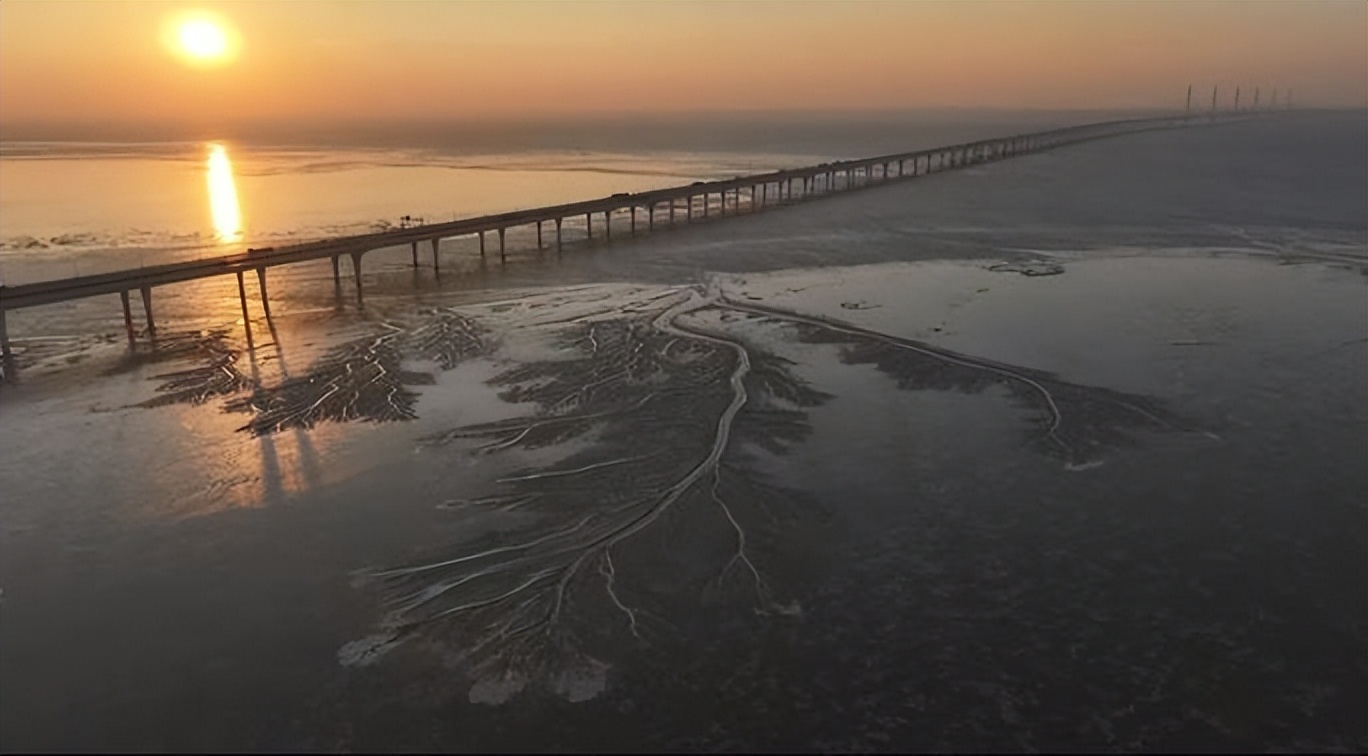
223, 198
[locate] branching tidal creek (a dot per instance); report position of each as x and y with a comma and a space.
669, 404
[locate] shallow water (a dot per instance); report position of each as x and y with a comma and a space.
1116, 507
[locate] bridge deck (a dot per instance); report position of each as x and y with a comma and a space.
814, 181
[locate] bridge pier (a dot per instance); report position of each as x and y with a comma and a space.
5, 354
482, 252
261, 284
435, 265
633, 213
147, 307
539, 236
242, 299
558, 233
356, 273
502, 258
414, 245
688, 209
650, 217
128, 319
589, 224
672, 212
608, 225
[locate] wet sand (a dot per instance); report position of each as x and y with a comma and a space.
837, 477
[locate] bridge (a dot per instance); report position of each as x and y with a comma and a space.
759, 191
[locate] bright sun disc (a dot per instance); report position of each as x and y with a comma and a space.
203, 39
200, 39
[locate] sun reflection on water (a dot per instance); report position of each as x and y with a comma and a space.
223, 199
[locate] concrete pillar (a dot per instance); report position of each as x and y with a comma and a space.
261, 286
502, 257
5, 353
672, 211
558, 234
482, 254
337, 273
705, 204
128, 319
539, 235
688, 209
607, 224
435, 242
414, 245
763, 192
589, 224
147, 307
242, 299
650, 217
633, 220
356, 271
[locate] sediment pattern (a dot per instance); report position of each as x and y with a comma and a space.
1077, 422
217, 375
662, 408
671, 408
663, 400
363, 379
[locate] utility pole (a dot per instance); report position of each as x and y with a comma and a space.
1188, 109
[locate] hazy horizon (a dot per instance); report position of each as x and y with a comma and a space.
347, 128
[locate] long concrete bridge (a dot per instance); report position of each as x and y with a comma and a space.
654, 207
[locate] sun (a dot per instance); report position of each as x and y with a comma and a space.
200, 39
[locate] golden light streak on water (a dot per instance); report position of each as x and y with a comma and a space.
223, 199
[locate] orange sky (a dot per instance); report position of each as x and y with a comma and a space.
64, 61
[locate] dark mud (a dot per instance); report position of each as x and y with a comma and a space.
662, 406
